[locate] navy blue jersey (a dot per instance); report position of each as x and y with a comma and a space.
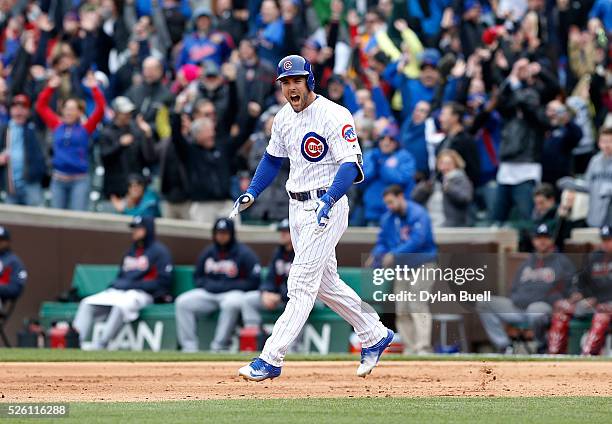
278, 272
220, 270
13, 275
146, 266
595, 278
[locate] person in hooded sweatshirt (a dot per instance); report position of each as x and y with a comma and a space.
145, 275
224, 273
13, 275
543, 279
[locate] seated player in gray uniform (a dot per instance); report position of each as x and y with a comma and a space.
544, 278
145, 276
272, 293
225, 271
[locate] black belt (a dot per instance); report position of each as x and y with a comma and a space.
305, 195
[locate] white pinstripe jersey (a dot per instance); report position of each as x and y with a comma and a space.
316, 141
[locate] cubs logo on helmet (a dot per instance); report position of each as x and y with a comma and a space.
348, 133
314, 147
293, 66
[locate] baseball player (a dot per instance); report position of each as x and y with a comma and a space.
318, 136
145, 276
592, 294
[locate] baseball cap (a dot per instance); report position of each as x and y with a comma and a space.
202, 11
72, 16
336, 78
21, 99
490, 35
137, 178
137, 222
123, 105
430, 57
542, 230
4, 233
224, 224
283, 225
605, 232
391, 130
211, 69
469, 4
313, 44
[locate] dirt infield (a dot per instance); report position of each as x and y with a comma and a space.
121, 381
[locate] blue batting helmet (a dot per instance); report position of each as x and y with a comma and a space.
295, 65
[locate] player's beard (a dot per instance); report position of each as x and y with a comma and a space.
300, 104
297, 105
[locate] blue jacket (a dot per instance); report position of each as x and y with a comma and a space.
381, 171
270, 40
602, 9
146, 266
143, 7
197, 49
71, 149
412, 139
34, 163
220, 270
413, 90
488, 139
430, 23
278, 273
383, 108
410, 234
13, 275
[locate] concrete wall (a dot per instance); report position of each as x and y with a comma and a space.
52, 242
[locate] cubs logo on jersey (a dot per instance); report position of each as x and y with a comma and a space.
349, 134
314, 147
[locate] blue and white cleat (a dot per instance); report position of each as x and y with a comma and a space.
259, 370
371, 355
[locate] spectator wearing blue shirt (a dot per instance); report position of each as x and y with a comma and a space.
269, 31
406, 238
412, 137
204, 43
426, 87
385, 165
429, 16
602, 10
342, 93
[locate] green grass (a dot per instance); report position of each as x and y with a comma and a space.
351, 411
64, 355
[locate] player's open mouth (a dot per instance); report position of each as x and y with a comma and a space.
294, 99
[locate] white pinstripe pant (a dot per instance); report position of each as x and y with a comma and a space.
314, 273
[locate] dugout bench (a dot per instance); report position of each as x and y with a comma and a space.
155, 329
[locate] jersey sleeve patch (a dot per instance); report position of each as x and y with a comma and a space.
349, 134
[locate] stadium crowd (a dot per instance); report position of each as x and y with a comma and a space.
483, 111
